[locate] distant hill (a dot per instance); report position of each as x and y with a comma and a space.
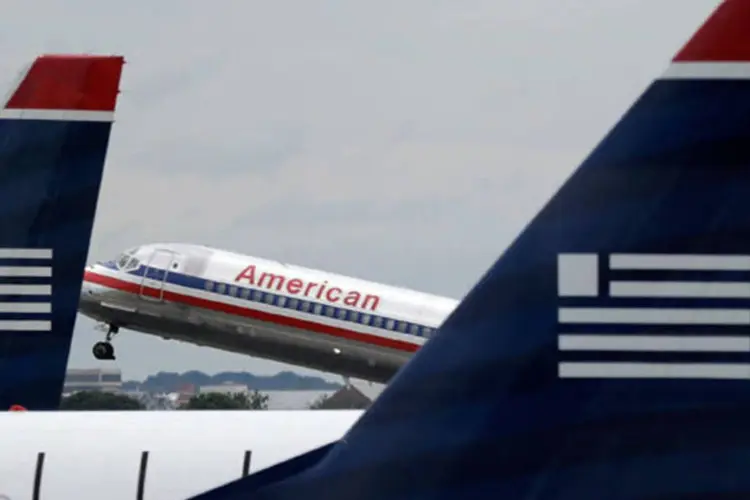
173, 382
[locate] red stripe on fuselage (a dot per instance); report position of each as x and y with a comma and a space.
135, 288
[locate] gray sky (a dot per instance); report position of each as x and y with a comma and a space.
401, 141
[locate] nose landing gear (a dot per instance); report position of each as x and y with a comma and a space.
105, 350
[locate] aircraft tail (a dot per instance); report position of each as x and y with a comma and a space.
54, 133
606, 354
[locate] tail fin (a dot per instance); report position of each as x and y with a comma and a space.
54, 133
607, 353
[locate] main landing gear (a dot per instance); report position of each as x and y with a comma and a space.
105, 350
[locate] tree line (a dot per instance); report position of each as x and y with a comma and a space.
100, 400
174, 382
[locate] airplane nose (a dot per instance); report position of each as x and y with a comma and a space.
87, 290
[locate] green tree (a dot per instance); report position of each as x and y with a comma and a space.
218, 401
98, 400
318, 403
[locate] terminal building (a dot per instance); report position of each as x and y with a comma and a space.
226, 388
92, 379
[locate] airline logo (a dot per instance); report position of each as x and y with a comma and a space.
684, 307
300, 287
25, 289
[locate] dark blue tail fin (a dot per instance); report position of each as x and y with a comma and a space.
606, 355
54, 132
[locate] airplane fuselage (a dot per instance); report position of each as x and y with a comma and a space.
151, 454
263, 308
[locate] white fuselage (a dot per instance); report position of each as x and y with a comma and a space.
173, 454
263, 308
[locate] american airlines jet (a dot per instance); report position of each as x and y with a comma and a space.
261, 308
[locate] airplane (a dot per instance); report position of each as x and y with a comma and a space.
606, 354
121, 455
54, 133
261, 308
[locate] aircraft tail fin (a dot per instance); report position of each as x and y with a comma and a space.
606, 354
54, 133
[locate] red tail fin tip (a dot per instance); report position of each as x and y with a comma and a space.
69, 83
720, 49
724, 37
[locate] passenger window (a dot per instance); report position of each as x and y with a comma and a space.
329, 311
341, 313
209, 285
317, 309
427, 332
245, 293
221, 288
293, 303
377, 322
281, 301
304, 306
365, 319
389, 324
414, 330
233, 291
256, 295
268, 299
401, 327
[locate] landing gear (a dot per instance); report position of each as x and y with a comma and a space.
105, 350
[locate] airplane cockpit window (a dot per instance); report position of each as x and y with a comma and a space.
123, 261
127, 262
133, 264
